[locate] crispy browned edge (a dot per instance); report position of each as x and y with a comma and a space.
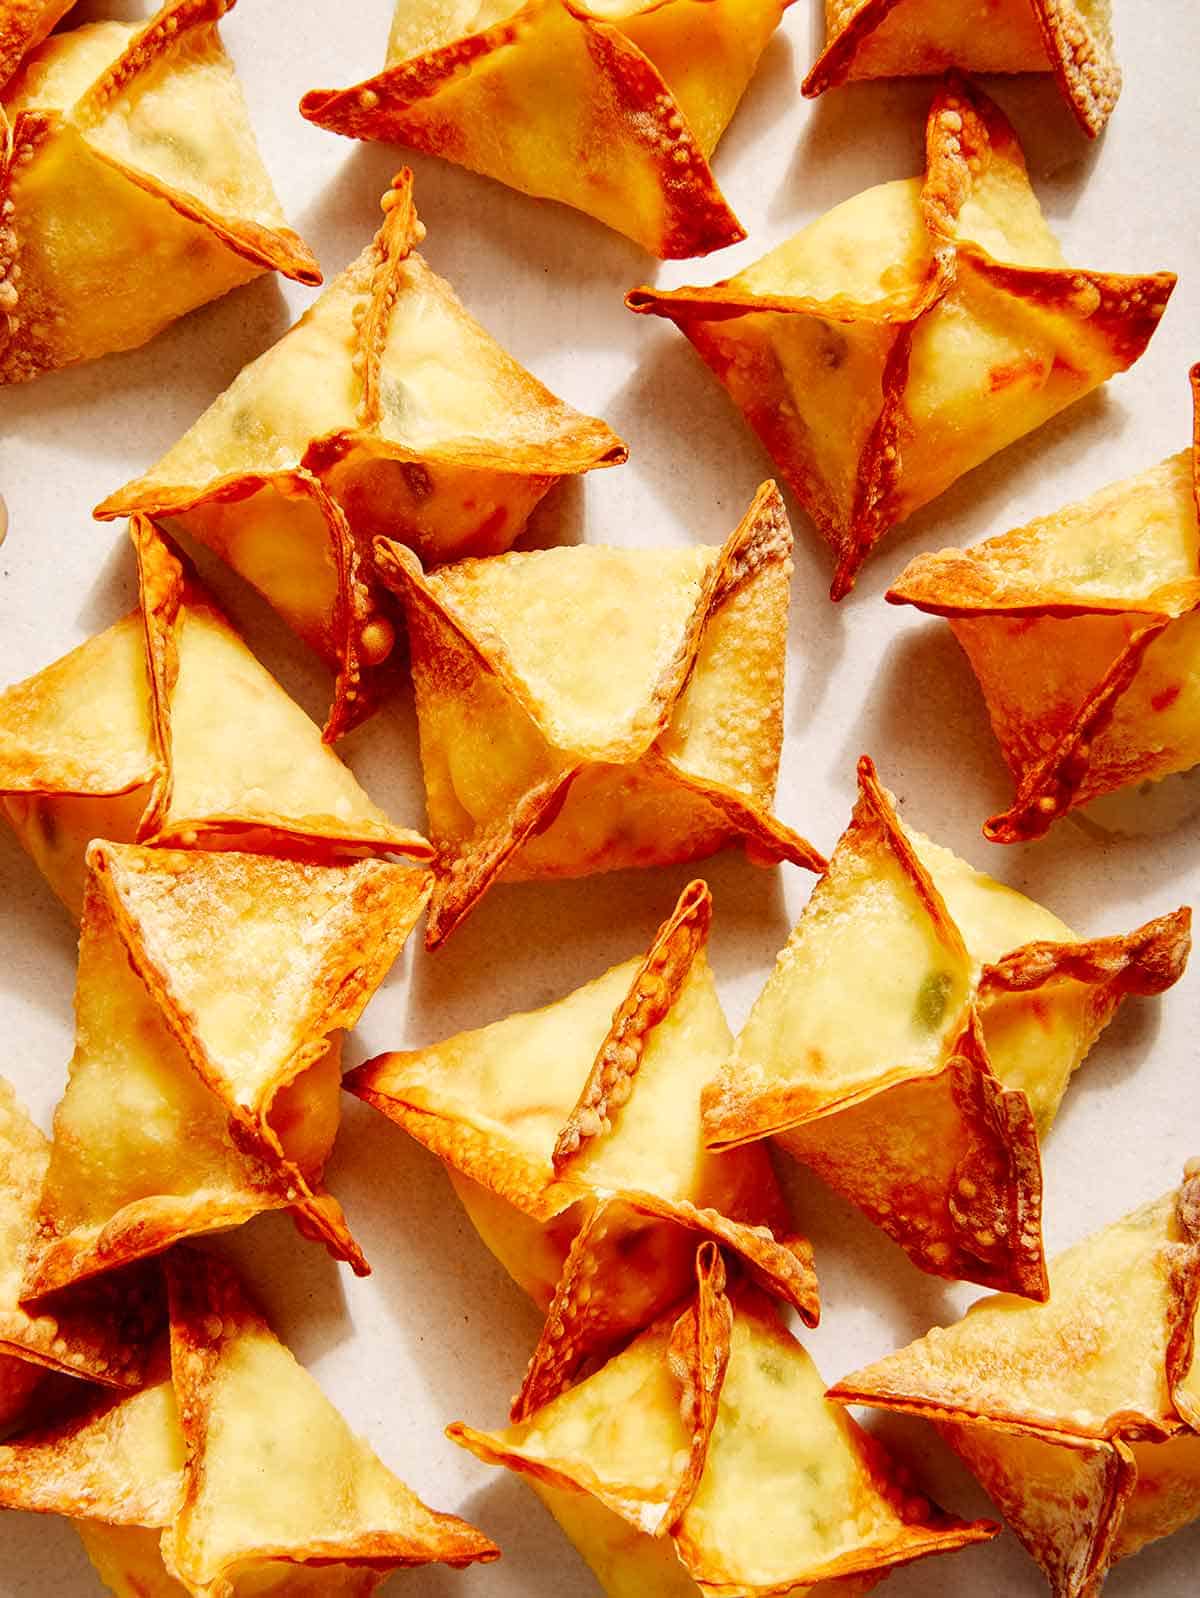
1080, 56
728, 1126
1183, 1262
964, 125
389, 898
465, 874
1004, 1207
1095, 1541
784, 1265
659, 980
167, 584
23, 26
698, 1358
363, 675
1047, 788
278, 248
697, 220
209, 1307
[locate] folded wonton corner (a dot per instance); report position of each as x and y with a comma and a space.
23, 26
232, 1475
1081, 1417
614, 107
588, 709
131, 189
1084, 631
99, 1333
205, 1084
572, 1135
919, 1081
905, 38
385, 410
913, 331
705, 1460
165, 729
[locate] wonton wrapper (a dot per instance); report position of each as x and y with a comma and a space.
705, 1459
98, 1334
614, 107
386, 409
167, 730
590, 1184
906, 38
1078, 1416
587, 709
1084, 631
205, 1083
913, 331
23, 26
131, 189
233, 1476
917, 1081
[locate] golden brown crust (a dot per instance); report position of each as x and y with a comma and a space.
1079, 51
384, 898
28, 341
1147, 961
965, 134
210, 1310
467, 868
698, 1354
1048, 788
652, 994
363, 611
23, 26
631, 95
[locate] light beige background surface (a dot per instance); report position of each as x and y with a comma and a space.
439, 1332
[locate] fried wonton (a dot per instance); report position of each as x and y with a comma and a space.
907, 38
99, 1334
572, 1135
204, 1088
23, 26
386, 409
919, 1081
587, 709
165, 729
913, 331
1081, 1417
612, 106
233, 1476
1084, 631
131, 188
705, 1459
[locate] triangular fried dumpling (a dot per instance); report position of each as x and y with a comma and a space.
166, 729
573, 1137
1084, 631
99, 1334
386, 409
1077, 1415
697, 1419
118, 123
23, 26
275, 1480
232, 1474
118, 1460
588, 709
918, 1083
614, 108
913, 331
903, 38
205, 1082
